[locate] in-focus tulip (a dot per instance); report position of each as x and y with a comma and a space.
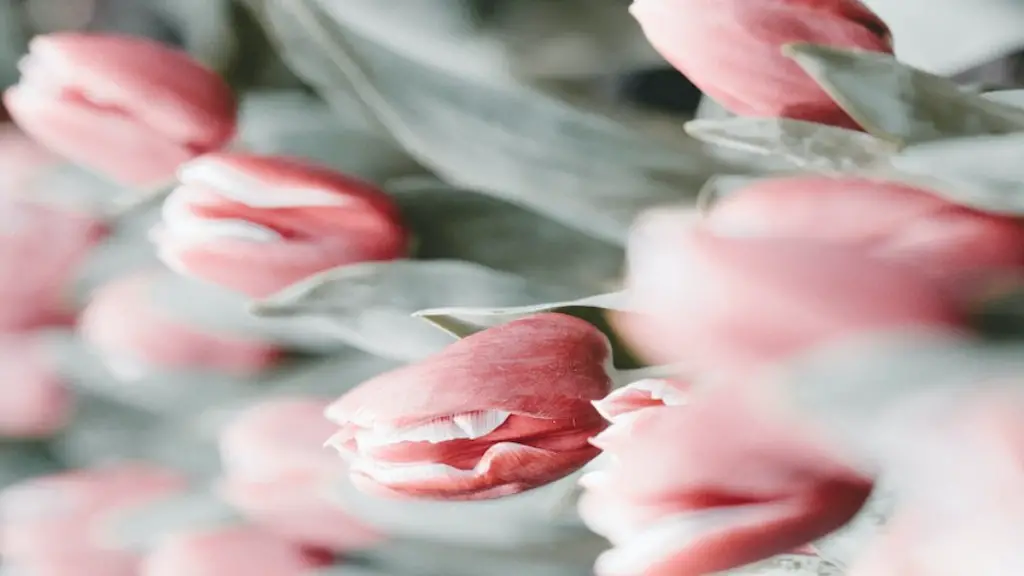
34, 401
710, 486
889, 220
41, 250
731, 49
62, 516
277, 472
258, 224
497, 413
228, 551
127, 107
718, 303
640, 395
135, 338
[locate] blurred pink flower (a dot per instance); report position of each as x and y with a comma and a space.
94, 564
241, 550
717, 303
499, 412
21, 160
711, 486
61, 517
127, 107
34, 401
277, 472
731, 49
640, 395
890, 220
41, 250
132, 335
258, 224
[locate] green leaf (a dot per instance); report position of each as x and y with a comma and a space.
789, 565
805, 145
140, 527
1013, 98
515, 143
898, 103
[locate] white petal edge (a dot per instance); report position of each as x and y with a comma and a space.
240, 187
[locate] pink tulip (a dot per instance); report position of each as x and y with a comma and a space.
126, 107
135, 337
277, 472
258, 224
98, 564
640, 395
731, 49
499, 412
735, 303
34, 401
241, 550
711, 486
21, 160
41, 249
890, 220
62, 516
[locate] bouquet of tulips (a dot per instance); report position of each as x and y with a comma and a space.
450, 313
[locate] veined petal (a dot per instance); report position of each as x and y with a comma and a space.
466, 426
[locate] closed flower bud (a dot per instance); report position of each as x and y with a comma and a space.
731, 49
640, 395
135, 339
258, 224
889, 220
277, 472
126, 107
228, 551
499, 412
41, 250
718, 303
34, 401
711, 486
21, 160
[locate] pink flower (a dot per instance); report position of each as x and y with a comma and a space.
731, 49
126, 107
640, 395
34, 401
21, 160
229, 551
41, 250
711, 486
277, 472
890, 220
258, 224
499, 412
61, 516
719, 303
132, 335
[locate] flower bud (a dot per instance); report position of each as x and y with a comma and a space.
716, 303
889, 220
126, 107
41, 249
711, 486
502, 411
135, 338
21, 160
226, 551
258, 224
34, 401
731, 49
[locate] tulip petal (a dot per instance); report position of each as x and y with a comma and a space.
647, 393
469, 425
235, 184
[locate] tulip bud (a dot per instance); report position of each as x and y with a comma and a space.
258, 224
61, 516
41, 249
502, 411
712, 486
34, 401
277, 472
21, 160
889, 220
134, 338
731, 49
226, 551
719, 303
126, 107
640, 395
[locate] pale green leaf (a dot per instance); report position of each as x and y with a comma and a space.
140, 527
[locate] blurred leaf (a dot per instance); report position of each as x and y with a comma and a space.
23, 460
1013, 98
806, 145
581, 169
369, 305
998, 312
140, 527
898, 103
788, 565
452, 223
